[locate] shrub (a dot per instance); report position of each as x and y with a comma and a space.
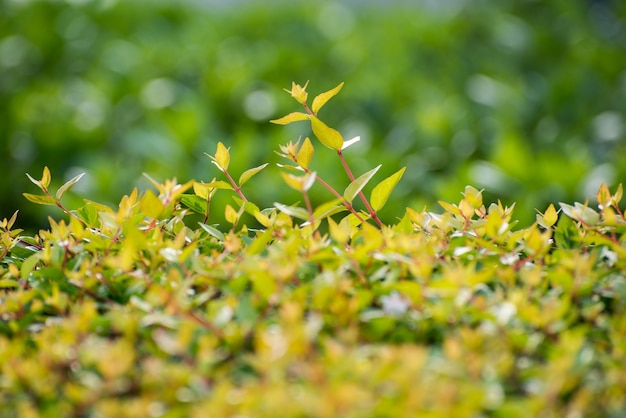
149, 310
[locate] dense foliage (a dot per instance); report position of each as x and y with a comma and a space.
459, 91
311, 311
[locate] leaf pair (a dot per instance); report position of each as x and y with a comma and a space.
44, 183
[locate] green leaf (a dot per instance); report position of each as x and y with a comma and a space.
321, 99
566, 233
247, 175
67, 186
357, 185
381, 192
212, 231
151, 205
292, 117
293, 211
8, 283
327, 135
195, 203
328, 209
40, 199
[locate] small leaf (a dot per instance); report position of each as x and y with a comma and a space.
328, 208
549, 217
292, 117
381, 192
603, 196
151, 205
617, 197
450, 207
67, 186
230, 214
308, 180
212, 231
350, 142
45, 178
293, 211
339, 232
321, 99
292, 181
195, 203
305, 153
247, 175
222, 156
357, 185
327, 135
39, 199
35, 182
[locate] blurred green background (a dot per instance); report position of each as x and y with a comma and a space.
523, 98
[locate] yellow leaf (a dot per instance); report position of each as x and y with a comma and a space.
292, 117
45, 179
321, 99
305, 153
550, 216
151, 205
381, 192
341, 232
295, 182
222, 157
327, 135
603, 196
230, 214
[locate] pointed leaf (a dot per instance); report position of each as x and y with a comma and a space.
212, 231
450, 207
603, 196
321, 99
247, 175
292, 117
151, 205
35, 182
328, 209
195, 203
40, 199
381, 192
67, 186
292, 181
350, 142
327, 135
45, 178
305, 153
222, 156
293, 211
357, 185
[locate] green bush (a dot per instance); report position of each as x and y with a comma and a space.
523, 99
311, 310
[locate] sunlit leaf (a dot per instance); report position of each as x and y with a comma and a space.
357, 185
305, 153
151, 205
293, 211
40, 199
381, 192
222, 156
327, 135
292, 117
321, 99
45, 178
212, 231
247, 175
68, 185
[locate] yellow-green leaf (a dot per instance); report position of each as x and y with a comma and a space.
321, 99
327, 135
292, 117
357, 185
40, 199
247, 175
45, 178
339, 232
151, 205
381, 192
603, 196
63, 189
222, 157
450, 207
292, 181
230, 214
305, 153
